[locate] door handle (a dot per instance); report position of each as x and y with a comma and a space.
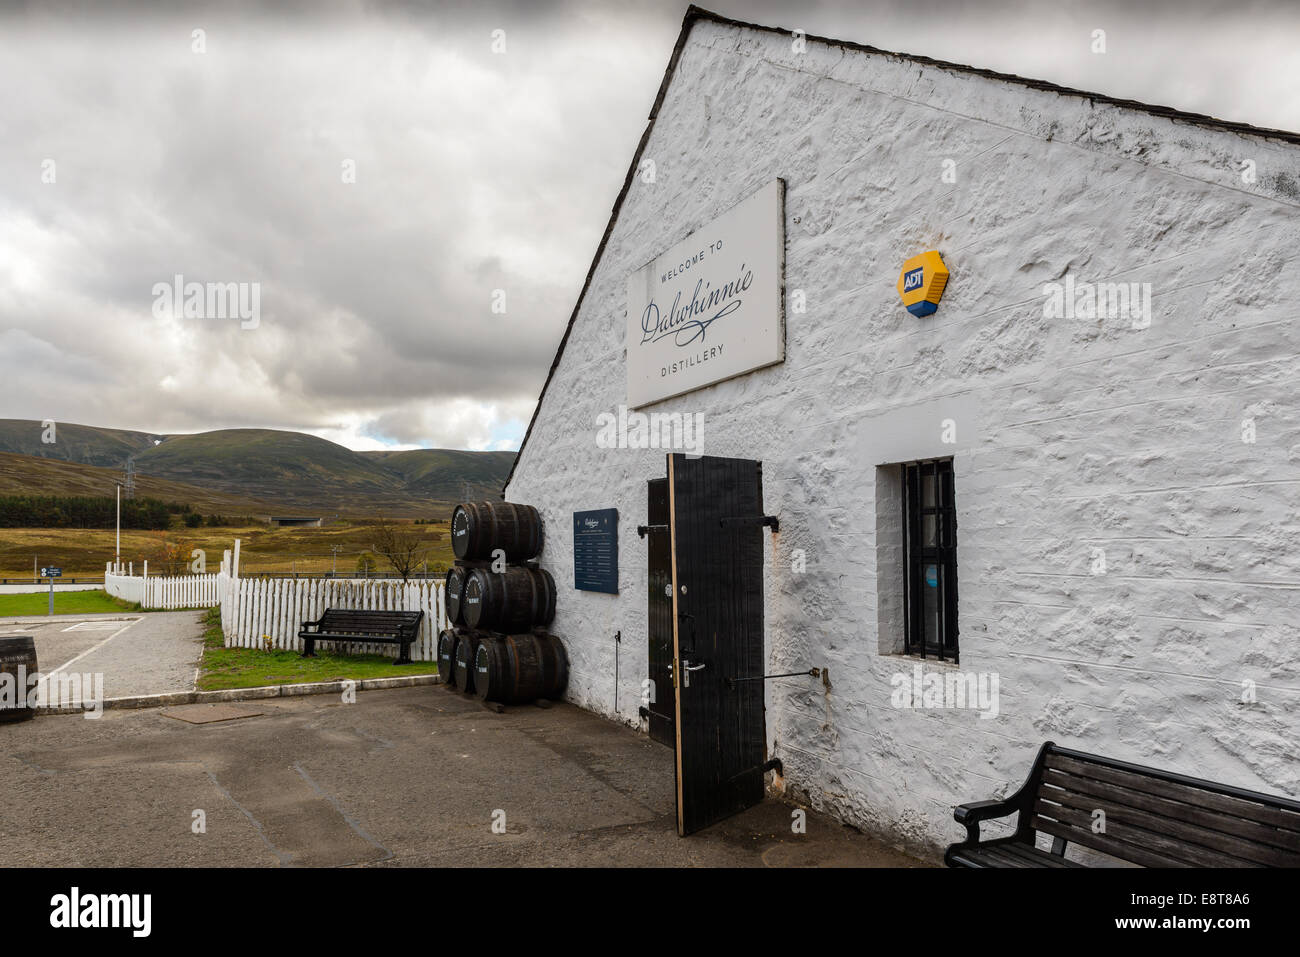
687, 668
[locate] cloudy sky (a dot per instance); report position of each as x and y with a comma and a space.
380, 172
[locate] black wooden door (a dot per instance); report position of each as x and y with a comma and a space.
715, 514
662, 704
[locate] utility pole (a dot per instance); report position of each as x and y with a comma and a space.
117, 556
334, 568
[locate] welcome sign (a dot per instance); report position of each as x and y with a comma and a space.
710, 308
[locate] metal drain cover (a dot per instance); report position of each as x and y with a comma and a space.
210, 713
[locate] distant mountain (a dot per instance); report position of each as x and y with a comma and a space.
287, 471
443, 472
33, 475
86, 444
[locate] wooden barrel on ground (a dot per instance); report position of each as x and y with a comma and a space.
466, 646
447, 656
454, 590
513, 600
480, 528
18, 661
514, 669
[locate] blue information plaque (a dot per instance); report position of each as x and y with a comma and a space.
595, 550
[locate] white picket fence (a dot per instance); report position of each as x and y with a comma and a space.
125, 587
254, 609
180, 591
188, 591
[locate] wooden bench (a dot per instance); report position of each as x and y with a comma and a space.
363, 627
1151, 819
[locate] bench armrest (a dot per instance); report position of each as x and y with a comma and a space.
970, 815
310, 625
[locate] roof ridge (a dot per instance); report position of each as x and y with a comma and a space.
699, 13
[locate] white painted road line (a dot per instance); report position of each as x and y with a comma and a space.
92, 626
93, 648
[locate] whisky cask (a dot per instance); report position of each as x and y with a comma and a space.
480, 528
18, 660
513, 600
513, 669
454, 591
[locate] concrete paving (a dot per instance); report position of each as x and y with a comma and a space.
137, 655
411, 777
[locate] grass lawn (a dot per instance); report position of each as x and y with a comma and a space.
253, 668
65, 603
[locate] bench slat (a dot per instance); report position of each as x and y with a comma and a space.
1087, 792
1003, 858
1107, 844
1012, 852
1177, 852
382, 637
385, 617
1177, 791
1036, 856
1232, 851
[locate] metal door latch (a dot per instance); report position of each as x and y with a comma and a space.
811, 672
770, 521
687, 668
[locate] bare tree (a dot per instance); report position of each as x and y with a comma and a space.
402, 546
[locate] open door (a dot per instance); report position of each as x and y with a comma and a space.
715, 510
662, 705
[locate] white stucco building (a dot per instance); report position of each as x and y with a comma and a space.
1126, 484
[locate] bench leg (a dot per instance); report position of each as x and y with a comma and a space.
1058, 846
309, 648
404, 656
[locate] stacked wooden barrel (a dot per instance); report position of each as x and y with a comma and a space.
18, 664
513, 669
499, 603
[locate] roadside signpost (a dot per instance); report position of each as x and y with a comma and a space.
51, 574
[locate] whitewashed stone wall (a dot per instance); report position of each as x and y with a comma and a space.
1072, 434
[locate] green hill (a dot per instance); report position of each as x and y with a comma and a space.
443, 473
288, 471
34, 475
256, 458
86, 444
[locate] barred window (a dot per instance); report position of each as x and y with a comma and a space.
930, 577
